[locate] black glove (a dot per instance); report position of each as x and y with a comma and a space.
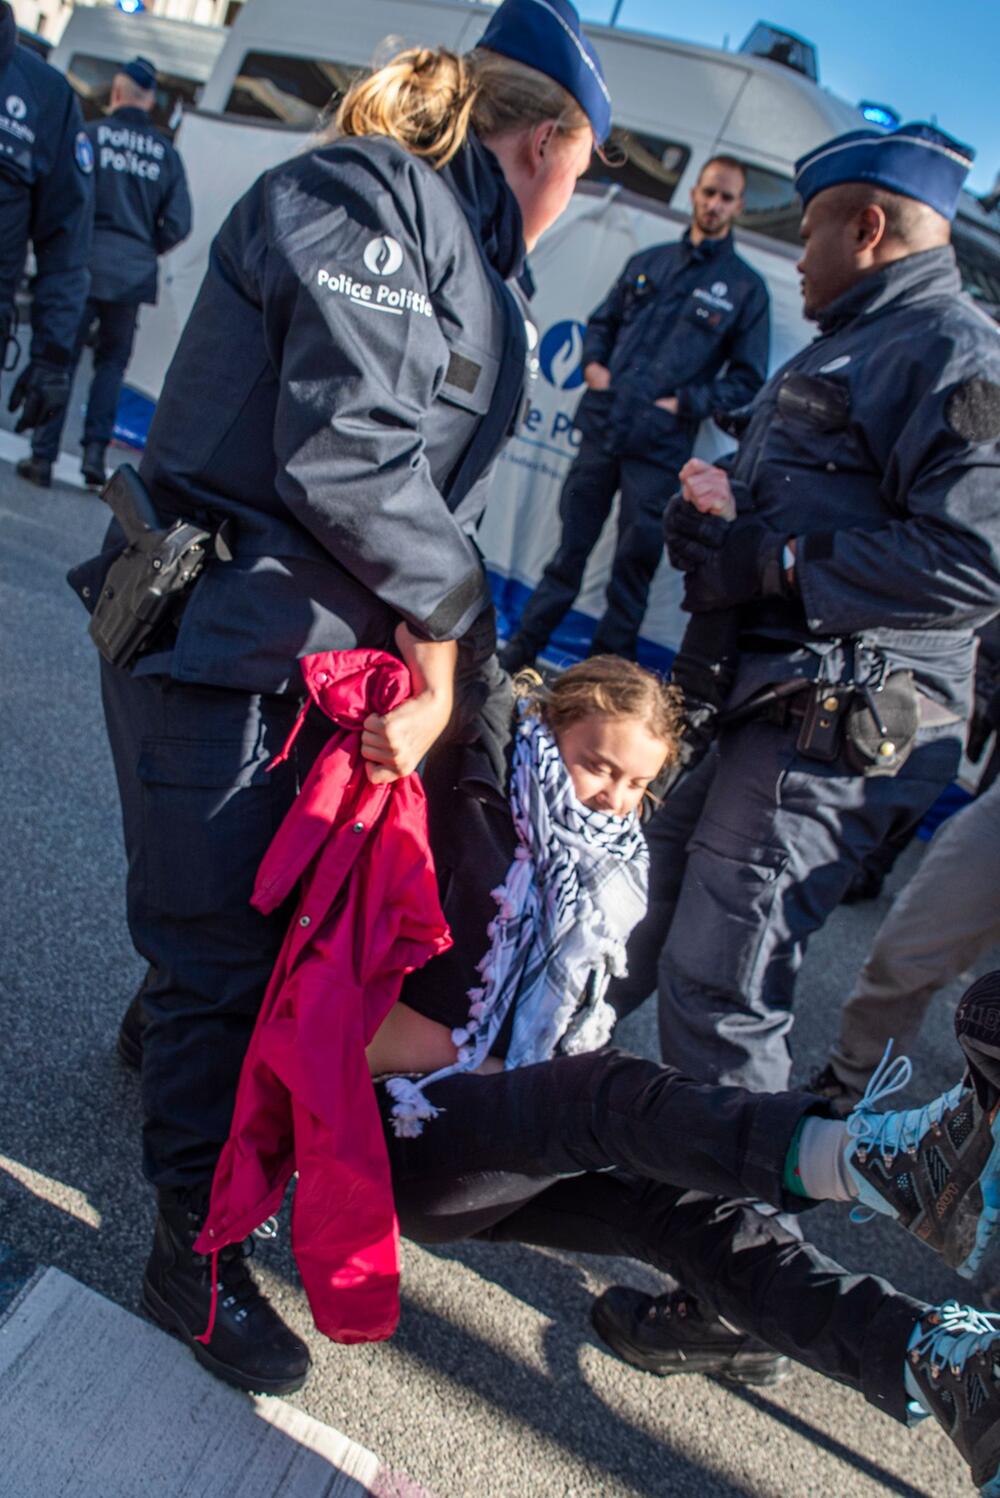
42, 389
727, 562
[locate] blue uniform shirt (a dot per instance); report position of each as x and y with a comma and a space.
142, 205
686, 320
46, 193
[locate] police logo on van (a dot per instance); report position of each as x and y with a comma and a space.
560, 354
16, 107
84, 153
383, 256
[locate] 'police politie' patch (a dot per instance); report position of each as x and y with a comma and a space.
84, 152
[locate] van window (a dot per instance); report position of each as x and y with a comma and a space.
980, 270
650, 166
772, 205
288, 91
91, 77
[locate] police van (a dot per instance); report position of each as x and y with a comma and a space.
278, 77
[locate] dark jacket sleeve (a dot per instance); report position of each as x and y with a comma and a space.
605, 320
62, 216
174, 221
746, 366
355, 381
938, 565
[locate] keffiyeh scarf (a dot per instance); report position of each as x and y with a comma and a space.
575, 890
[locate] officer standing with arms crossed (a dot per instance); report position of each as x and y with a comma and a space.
46, 198
857, 532
142, 210
652, 355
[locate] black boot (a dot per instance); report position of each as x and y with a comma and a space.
92, 465
250, 1345
672, 1333
36, 471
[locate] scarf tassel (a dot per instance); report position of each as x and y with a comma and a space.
411, 1111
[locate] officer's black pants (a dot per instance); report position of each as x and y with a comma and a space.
199, 811
522, 1156
748, 857
115, 335
584, 506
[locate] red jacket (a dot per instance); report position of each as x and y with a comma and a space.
367, 914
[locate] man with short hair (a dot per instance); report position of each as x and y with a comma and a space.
142, 210
857, 532
683, 333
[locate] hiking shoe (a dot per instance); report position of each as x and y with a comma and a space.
516, 654
951, 1369
92, 465
36, 471
672, 1333
935, 1169
130, 1030
842, 1100
250, 1346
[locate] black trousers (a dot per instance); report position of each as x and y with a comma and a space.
610, 1154
199, 810
585, 503
115, 335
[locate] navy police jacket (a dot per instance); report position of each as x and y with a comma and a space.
46, 194
353, 363
878, 446
686, 320
142, 207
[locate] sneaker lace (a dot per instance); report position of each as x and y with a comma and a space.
956, 1334
899, 1129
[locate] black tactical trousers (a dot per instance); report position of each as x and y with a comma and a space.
199, 810
112, 350
748, 857
523, 1156
584, 506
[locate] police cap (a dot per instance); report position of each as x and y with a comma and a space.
546, 35
141, 71
918, 161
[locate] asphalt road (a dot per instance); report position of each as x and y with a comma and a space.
495, 1384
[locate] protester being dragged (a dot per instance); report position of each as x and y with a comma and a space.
506, 1115
47, 201
142, 209
353, 364
682, 336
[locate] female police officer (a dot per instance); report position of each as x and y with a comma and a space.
351, 367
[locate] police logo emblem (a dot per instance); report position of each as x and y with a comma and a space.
84, 153
16, 107
719, 288
383, 256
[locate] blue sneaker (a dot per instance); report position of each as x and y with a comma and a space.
951, 1370
935, 1169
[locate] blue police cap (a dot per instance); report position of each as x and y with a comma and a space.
545, 34
141, 71
917, 161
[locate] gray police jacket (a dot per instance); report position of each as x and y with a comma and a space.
887, 469
351, 367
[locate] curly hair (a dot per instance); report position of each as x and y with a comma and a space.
607, 686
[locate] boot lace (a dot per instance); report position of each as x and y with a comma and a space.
955, 1334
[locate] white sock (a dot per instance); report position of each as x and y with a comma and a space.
822, 1165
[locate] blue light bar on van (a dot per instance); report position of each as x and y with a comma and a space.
880, 114
131, 7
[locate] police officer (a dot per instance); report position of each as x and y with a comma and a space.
142, 210
683, 333
864, 553
46, 197
351, 367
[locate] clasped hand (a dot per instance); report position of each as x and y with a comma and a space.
727, 560
393, 744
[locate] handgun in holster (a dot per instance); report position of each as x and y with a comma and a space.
146, 586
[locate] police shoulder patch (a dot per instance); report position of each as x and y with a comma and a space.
972, 410
84, 152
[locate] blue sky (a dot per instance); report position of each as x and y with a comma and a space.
924, 57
